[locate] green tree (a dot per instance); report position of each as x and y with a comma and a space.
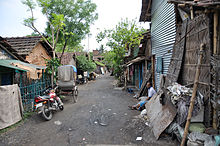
125, 35
84, 64
68, 21
54, 20
52, 66
78, 16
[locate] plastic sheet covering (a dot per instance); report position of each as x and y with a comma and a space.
202, 138
180, 97
175, 128
65, 73
11, 108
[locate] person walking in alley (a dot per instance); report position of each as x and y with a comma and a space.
140, 105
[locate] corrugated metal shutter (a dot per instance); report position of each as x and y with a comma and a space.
163, 31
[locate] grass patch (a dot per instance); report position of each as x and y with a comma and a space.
25, 117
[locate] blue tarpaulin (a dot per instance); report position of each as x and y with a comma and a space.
74, 68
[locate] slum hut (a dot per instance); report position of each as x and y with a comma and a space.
67, 58
98, 58
33, 49
138, 64
198, 23
7, 72
163, 31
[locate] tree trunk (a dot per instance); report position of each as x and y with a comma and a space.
63, 50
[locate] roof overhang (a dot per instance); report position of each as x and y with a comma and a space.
19, 65
145, 11
136, 60
205, 4
6, 63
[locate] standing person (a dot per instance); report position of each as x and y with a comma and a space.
141, 104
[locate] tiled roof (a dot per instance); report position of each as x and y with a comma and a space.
9, 48
24, 45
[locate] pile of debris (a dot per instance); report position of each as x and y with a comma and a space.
171, 116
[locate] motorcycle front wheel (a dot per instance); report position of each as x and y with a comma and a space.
46, 113
61, 107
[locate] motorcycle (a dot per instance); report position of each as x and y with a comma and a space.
45, 105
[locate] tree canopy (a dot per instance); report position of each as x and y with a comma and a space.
78, 16
125, 35
68, 20
84, 64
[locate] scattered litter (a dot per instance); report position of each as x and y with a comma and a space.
139, 138
103, 120
217, 140
201, 138
57, 123
84, 139
126, 114
175, 128
95, 122
103, 124
121, 129
70, 129
90, 111
114, 113
197, 127
109, 109
144, 112
119, 88
135, 96
147, 123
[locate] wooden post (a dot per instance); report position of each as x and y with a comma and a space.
215, 37
153, 71
125, 74
191, 12
195, 86
215, 40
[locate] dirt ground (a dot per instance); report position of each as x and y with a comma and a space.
100, 117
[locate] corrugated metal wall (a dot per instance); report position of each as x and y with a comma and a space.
163, 31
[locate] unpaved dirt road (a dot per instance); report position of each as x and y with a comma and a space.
100, 117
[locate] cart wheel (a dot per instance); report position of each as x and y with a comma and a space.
74, 97
76, 91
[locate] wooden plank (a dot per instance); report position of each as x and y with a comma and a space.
177, 56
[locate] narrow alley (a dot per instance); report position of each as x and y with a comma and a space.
100, 117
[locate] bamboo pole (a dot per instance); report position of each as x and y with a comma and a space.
192, 101
215, 38
191, 12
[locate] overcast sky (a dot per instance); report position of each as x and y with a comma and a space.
13, 12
